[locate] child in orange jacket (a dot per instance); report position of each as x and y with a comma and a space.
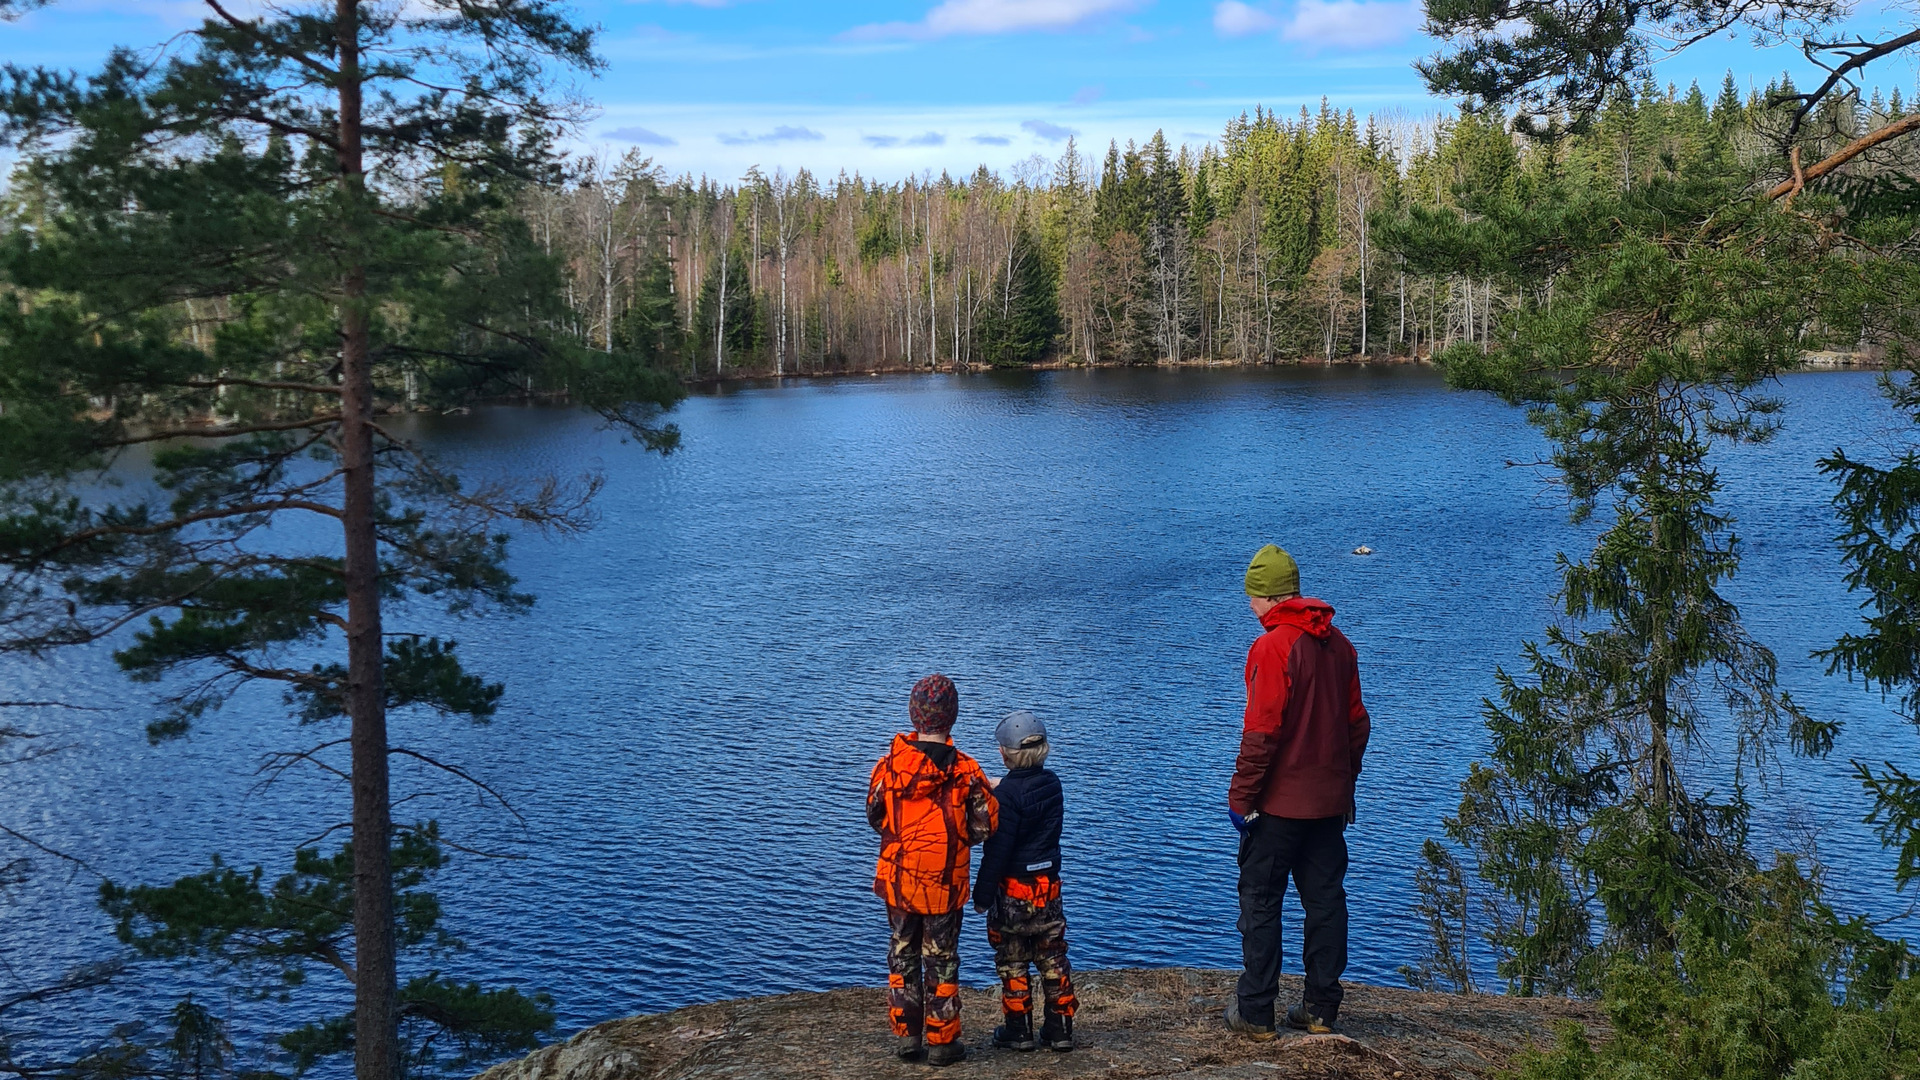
930, 803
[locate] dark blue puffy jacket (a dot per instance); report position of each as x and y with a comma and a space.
1028, 839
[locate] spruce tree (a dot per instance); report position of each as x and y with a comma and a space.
729, 316
1663, 326
1024, 312
247, 251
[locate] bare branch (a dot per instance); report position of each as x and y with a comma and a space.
462, 774
83, 978
280, 761
162, 434
483, 854
38, 846
1858, 55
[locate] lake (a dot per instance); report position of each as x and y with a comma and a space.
695, 702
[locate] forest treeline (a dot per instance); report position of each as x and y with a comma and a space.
1261, 247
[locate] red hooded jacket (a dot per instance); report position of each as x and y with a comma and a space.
1306, 729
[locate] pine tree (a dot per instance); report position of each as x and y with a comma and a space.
266, 243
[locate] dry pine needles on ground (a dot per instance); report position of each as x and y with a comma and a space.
1134, 1023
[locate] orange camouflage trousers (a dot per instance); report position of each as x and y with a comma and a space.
1026, 926
923, 974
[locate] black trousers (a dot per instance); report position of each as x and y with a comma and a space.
1314, 854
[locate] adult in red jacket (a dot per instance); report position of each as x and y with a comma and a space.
1292, 795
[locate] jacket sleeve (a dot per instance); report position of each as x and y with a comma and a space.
1267, 686
995, 852
876, 802
983, 810
1359, 722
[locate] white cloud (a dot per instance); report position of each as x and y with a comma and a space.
1352, 24
641, 136
780, 134
1049, 132
977, 133
954, 17
1231, 18
931, 138
1334, 24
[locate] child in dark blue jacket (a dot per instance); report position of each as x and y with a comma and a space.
1019, 891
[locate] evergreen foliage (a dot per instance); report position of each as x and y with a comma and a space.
250, 252
1879, 507
271, 937
1021, 330
1653, 306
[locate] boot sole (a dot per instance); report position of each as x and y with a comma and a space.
1311, 1029
1241, 1027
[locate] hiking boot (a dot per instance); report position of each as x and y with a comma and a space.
944, 1054
1307, 1018
1016, 1033
1057, 1034
1251, 1031
908, 1048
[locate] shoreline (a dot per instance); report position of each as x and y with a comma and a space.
1809, 362
754, 375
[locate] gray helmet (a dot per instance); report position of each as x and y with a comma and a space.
1020, 729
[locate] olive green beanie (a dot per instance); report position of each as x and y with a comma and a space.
1273, 573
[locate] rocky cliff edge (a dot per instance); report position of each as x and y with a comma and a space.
1135, 1023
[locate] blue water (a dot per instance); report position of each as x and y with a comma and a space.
696, 700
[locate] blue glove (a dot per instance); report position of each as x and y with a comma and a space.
1239, 822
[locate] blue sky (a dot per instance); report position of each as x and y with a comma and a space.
893, 87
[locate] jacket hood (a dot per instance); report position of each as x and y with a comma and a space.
929, 764
1313, 616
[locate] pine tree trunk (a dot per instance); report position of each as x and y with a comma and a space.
375, 1013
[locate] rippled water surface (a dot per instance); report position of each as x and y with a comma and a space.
695, 702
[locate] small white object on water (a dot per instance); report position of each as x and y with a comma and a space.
1363, 550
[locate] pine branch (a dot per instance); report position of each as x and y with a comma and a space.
1866, 53
247, 27
163, 434
1845, 154
261, 384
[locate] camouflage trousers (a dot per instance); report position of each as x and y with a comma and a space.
1026, 926
924, 955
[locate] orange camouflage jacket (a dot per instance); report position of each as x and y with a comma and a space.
930, 803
